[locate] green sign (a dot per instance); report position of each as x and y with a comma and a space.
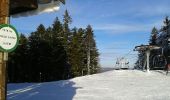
9, 38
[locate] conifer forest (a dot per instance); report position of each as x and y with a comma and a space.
57, 52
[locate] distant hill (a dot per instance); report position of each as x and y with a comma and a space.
106, 69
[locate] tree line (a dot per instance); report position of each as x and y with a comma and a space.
160, 58
54, 53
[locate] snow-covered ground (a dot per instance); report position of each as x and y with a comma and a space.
111, 85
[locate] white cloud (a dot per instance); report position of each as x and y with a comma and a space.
127, 28
153, 11
121, 28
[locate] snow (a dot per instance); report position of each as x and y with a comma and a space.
111, 85
53, 6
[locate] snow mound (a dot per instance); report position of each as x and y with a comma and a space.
111, 85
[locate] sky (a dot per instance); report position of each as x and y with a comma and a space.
118, 25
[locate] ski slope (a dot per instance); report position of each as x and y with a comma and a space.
111, 85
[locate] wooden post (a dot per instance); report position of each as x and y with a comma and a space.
4, 14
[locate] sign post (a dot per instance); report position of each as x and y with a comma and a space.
4, 13
9, 39
6, 44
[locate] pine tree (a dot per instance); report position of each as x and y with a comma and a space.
163, 40
77, 51
67, 34
39, 50
92, 52
60, 61
67, 19
153, 37
166, 22
82, 50
57, 29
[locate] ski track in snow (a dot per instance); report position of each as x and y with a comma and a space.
111, 85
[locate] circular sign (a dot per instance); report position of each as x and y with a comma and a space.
9, 38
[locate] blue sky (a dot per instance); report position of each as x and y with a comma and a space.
119, 25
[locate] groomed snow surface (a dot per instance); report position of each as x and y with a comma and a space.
111, 85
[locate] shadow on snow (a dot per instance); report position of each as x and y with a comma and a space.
61, 90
